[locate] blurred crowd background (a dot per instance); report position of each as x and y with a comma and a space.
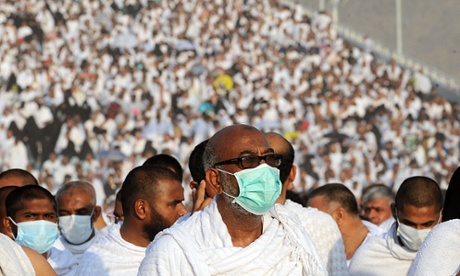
90, 89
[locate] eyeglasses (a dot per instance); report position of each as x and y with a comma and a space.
252, 161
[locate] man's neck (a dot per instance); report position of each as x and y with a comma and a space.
353, 236
130, 233
243, 228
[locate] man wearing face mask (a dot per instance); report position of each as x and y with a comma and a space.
239, 232
417, 209
152, 201
77, 211
32, 222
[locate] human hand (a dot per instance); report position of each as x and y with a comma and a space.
200, 200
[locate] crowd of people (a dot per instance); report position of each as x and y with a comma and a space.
244, 220
90, 89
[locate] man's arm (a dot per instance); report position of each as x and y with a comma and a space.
39, 263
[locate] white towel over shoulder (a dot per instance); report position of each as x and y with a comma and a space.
440, 252
202, 245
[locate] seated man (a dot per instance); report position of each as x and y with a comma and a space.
417, 209
377, 201
339, 202
322, 230
32, 222
236, 233
151, 201
77, 211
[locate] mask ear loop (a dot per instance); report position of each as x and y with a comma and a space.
14, 224
224, 171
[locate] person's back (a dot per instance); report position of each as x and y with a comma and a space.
236, 233
417, 209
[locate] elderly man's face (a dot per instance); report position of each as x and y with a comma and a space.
236, 143
378, 210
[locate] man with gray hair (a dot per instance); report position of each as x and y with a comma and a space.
77, 212
376, 201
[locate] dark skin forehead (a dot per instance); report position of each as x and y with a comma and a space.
239, 140
277, 142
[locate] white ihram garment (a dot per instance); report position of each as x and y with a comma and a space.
440, 252
201, 245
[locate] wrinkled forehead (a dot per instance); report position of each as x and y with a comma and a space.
241, 141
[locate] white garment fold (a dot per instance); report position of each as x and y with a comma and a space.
440, 252
325, 235
202, 245
13, 259
62, 261
382, 256
111, 255
77, 250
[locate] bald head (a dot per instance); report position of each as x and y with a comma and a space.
233, 141
419, 191
282, 146
17, 177
335, 195
74, 187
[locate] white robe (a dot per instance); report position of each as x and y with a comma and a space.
325, 235
76, 250
13, 259
440, 252
62, 261
201, 245
382, 256
111, 255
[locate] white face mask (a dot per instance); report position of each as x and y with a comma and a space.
411, 237
76, 229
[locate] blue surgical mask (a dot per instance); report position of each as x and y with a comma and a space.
259, 187
38, 235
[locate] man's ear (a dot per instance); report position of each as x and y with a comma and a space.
97, 213
8, 227
141, 208
338, 215
213, 180
291, 178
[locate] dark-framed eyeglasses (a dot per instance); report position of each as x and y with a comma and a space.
252, 161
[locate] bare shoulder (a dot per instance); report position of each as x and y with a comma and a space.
39, 263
